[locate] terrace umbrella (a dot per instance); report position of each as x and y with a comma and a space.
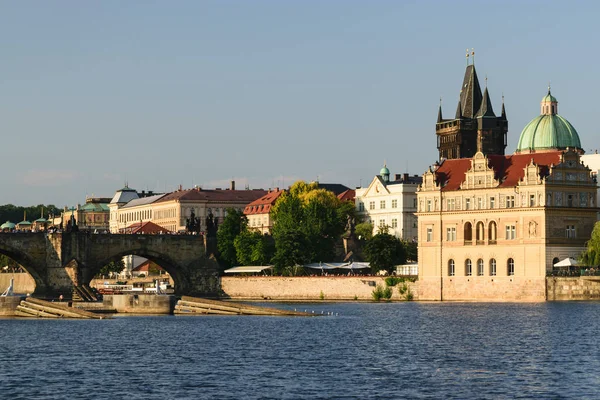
567, 262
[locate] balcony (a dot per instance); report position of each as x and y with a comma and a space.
468, 242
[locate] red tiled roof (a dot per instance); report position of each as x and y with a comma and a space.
264, 204
509, 170
347, 195
147, 227
145, 267
232, 196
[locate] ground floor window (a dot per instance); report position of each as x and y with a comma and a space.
480, 267
451, 270
468, 267
511, 266
492, 267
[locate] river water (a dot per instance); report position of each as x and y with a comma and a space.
367, 351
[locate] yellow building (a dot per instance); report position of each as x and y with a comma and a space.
492, 226
173, 210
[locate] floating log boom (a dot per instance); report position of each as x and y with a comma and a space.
194, 305
31, 307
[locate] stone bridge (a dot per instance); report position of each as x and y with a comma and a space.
59, 261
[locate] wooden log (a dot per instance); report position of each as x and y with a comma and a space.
77, 312
199, 310
55, 311
237, 307
35, 313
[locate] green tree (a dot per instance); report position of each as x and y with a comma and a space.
315, 218
253, 248
234, 223
364, 230
290, 250
10, 212
591, 256
411, 250
384, 251
114, 266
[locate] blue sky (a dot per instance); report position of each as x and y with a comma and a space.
163, 93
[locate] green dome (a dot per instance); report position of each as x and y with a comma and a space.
7, 225
384, 171
549, 131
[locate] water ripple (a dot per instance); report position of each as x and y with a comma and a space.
369, 351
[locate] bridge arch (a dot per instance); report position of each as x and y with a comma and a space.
160, 259
21, 247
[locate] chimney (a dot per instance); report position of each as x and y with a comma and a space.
397, 177
232, 185
405, 177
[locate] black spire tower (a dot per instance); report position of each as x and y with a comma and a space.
474, 121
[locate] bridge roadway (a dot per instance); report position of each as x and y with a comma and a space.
59, 261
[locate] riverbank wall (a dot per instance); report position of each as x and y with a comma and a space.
576, 288
307, 288
23, 282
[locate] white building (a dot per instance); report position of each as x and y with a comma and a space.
390, 203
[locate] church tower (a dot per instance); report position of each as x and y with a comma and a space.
475, 127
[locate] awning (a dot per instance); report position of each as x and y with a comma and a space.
248, 269
328, 266
325, 266
567, 262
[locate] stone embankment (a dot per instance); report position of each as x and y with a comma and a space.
310, 288
576, 288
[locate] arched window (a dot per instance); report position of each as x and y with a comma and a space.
480, 267
479, 232
554, 261
468, 232
451, 270
468, 267
510, 266
492, 230
493, 267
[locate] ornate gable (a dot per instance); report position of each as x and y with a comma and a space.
570, 171
480, 175
376, 188
429, 182
532, 175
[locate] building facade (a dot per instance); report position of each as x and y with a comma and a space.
390, 203
259, 212
173, 210
491, 226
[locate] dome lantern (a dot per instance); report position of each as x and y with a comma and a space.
549, 104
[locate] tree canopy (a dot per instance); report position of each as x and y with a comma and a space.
254, 248
364, 230
384, 251
234, 223
307, 223
591, 256
15, 214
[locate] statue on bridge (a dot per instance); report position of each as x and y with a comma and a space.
72, 224
211, 225
192, 224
